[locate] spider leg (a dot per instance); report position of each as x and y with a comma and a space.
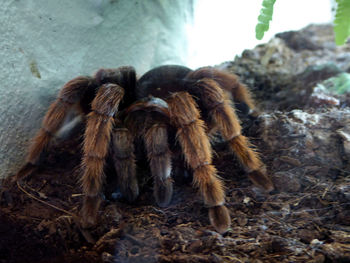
68, 99
237, 92
159, 156
223, 115
124, 163
96, 145
154, 114
197, 151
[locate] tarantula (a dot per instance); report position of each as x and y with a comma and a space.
195, 103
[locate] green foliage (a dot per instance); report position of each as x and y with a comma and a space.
342, 22
264, 18
338, 84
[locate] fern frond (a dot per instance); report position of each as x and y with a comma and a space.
264, 18
342, 22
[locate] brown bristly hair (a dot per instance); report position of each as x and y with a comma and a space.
96, 146
98, 135
228, 82
124, 163
227, 123
196, 147
159, 157
68, 98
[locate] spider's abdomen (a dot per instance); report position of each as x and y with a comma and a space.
162, 81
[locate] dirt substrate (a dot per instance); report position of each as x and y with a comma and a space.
306, 219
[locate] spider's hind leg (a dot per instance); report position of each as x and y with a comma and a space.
234, 89
68, 99
224, 118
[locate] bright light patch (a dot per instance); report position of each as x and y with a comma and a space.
222, 29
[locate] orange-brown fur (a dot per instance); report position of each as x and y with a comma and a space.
210, 185
259, 178
229, 82
191, 130
74, 89
38, 146
159, 156
158, 153
70, 95
240, 145
196, 146
221, 110
96, 145
225, 120
124, 163
220, 218
197, 151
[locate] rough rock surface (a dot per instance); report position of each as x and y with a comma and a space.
283, 73
306, 148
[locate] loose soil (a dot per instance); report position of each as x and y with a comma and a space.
305, 220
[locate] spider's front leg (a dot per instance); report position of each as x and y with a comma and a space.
68, 100
224, 118
196, 147
96, 145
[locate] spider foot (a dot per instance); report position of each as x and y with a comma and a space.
89, 211
260, 179
219, 217
163, 192
130, 191
26, 171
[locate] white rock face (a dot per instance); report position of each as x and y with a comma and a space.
45, 43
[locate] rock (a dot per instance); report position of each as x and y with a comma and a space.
284, 72
307, 236
286, 182
298, 41
304, 143
337, 252
278, 245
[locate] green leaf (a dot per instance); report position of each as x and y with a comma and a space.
264, 18
339, 84
342, 22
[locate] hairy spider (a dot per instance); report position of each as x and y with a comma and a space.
194, 103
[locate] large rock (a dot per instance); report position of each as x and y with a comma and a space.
46, 43
283, 73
